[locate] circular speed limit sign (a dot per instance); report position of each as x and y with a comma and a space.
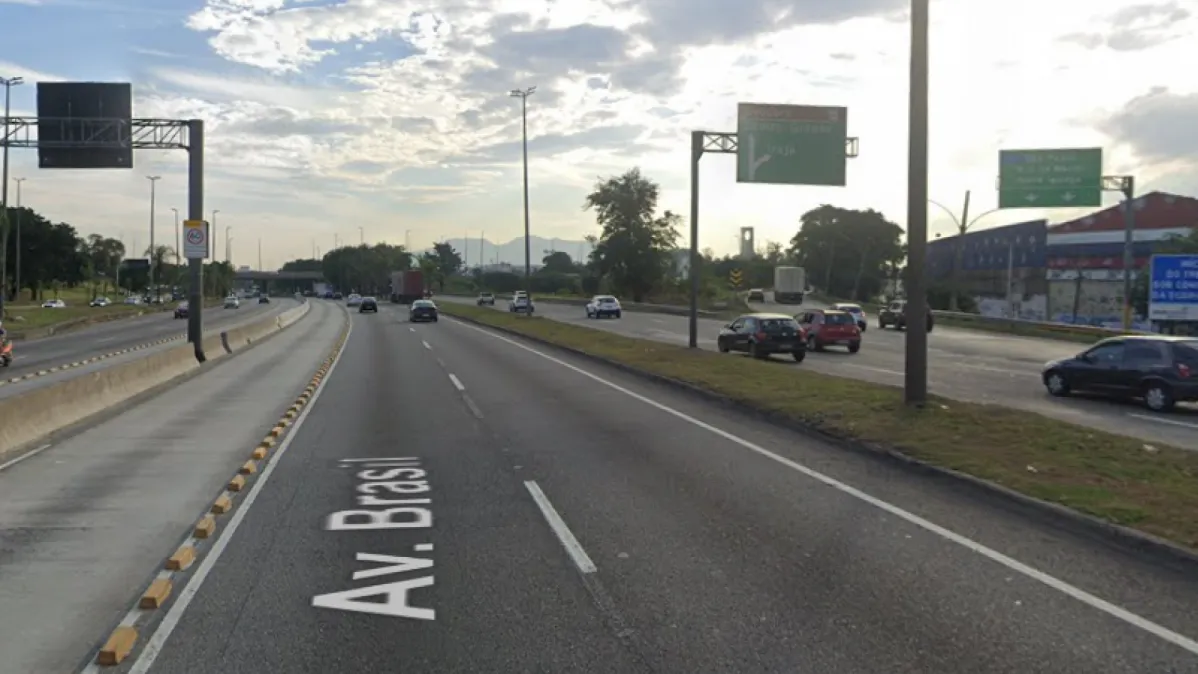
195, 237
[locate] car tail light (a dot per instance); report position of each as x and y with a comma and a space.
761, 336
1184, 370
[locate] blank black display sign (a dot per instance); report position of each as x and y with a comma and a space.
77, 126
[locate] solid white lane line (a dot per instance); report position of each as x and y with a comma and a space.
457, 383
27, 455
1145, 417
145, 659
581, 559
1011, 563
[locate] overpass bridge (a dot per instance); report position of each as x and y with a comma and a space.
278, 281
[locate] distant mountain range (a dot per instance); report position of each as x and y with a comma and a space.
512, 252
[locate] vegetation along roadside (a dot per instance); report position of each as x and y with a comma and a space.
1152, 488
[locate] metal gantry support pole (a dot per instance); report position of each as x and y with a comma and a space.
915, 380
195, 211
1127, 186
153, 257
17, 268
707, 142
8, 83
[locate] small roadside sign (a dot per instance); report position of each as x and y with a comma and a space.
735, 278
195, 239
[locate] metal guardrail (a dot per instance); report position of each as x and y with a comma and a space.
670, 309
1018, 325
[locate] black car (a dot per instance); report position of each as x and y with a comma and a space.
1158, 369
756, 295
368, 304
895, 314
181, 310
761, 335
263, 299
422, 310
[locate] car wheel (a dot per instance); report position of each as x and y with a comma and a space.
881, 324
813, 344
854, 348
1158, 397
618, 314
754, 352
799, 355
721, 346
1056, 383
863, 325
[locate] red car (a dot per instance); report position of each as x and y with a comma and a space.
828, 327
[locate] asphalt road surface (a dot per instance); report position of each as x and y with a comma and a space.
85, 522
40, 354
967, 365
551, 515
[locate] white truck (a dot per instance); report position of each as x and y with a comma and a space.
790, 283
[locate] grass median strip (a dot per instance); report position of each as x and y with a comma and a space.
1153, 488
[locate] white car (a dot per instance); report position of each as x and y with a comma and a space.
132, 300
232, 302
603, 305
521, 304
54, 304
100, 302
353, 300
855, 310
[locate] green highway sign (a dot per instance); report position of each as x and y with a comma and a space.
1049, 178
791, 144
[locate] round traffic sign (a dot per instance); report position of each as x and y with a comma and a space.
195, 237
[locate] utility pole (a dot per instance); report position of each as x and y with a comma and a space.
482, 256
8, 83
17, 271
259, 253
361, 236
228, 245
523, 95
153, 257
212, 233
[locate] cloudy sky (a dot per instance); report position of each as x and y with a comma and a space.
393, 115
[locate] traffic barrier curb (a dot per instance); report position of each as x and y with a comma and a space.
1089, 524
87, 361
123, 639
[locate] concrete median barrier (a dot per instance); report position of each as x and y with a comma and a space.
239, 338
27, 418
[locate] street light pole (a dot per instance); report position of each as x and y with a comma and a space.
178, 242
8, 83
153, 183
228, 246
523, 95
17, 271
212, 226
361, 236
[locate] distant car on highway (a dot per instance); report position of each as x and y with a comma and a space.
100, 302
422, 310
830, 327
756, 295
337, 296
54, 304
487, 299
181, 310
1161, 370
603, 305
353, 300
263, 299
761, 335
132, 300
895, 315
368, 304
855, 310
521, 304
232, 302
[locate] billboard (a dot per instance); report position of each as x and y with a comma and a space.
1173, 293
84, 125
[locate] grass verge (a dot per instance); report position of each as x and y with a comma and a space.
1122, 480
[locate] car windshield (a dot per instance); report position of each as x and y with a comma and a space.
851, 308
838, 319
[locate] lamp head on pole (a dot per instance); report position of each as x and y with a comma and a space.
522, 93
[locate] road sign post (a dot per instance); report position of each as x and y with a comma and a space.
791, 144
1173, 292
1063, 178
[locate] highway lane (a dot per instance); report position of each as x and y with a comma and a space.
76, 345
86, 522
580, 520
965, 365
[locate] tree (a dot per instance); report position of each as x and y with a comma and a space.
846, 252
308, 264
447, 260
633, 249
557, 262
364, 269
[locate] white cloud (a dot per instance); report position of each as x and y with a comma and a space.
394, 116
